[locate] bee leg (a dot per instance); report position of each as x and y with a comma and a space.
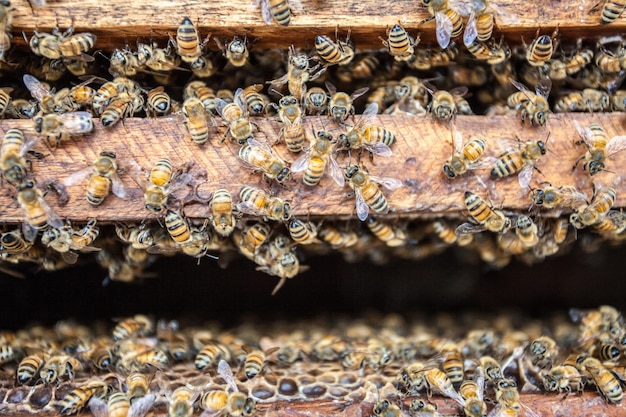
576, 163
279, 285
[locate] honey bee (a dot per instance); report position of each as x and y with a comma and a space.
256, 102
473, 396
38, 215
125, 104
411, 97
419, 408
541, 49
181, 401
12, 242
152, 358
139, 237
102, 358
162, 181
492, 54
589, 99
611, 10
364, 135
6, 17
521, 160
290, 114
203, 67
78, 398
400, 44
508, 401
12, 156
256, 201
235, 403
480, 23
57, 45
119, 405
443, 105
256, 360
278, 259
599, 147
550, 197
157, 59
418, 376
251, 240
66, 239
609, 62
544, 351
340, 104
103, 178
315, 160
235, 51
279, 10
158, 102
368, 194
384, 408
392, 236
338, 239
334, 53
124, 63
482, 213
222, 219
28, 368
40, 92
58, 126
591, 213
605, 381
195, 120
188, 45
235, 114
210, 354
465, 157
315, 101
298, 74
531, 106
137, 385
8, 353
57, 367
563, 378
139, 325
259, 156
449, 23
303, 233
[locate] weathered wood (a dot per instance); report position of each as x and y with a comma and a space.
117, 22
422, 147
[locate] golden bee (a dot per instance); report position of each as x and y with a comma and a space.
591, 213
259, 156
57, 45
279, 10
124, 62
449, 23
78, 398
41, 92
103, 178
125, 104
256, 360
158, 102
162, 181
57, 367
303, 233
198, 89
37, 214
67, 239
139, 325
12, 242
139, 237
210, 354
13, 150
28, 368
235, 114
235, 51
608, 385
58, 126
157, 59
532, 106
473, 396
251, 239
492, 54
119, 405
196, 120
315, 101
599, 147
480, 22
256, 201
340, 105
181, 401
290, 114
222, 217
368, 194
465, 156
566, 196
188, 45
316, 159
337, 239
393, 236
277, 258
611, 10
400, 44
520, 161
256, 102
299, 72
541, 49
486, 217
235, 403
364, 135
384, 408
6, 18
563, 378
334, 53
443, 105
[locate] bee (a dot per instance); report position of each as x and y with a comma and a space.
12, 242
255, 101
57, 45
315, 101
198, 89
278, 259
446, 233
57, 367
102, 358
210, 354
235, 114
605, 381
188, 45
334, 53
521, 160
5, 99
40, 92
8, 353
157, 59
531, 106
255, 360
507, 399
125, 104
591, 213
152, 358
38, 215
256, 201
222, 219
299, 72
28, 368
599, 147
181, 401
177, 227
139, 325
234, 404
362, 69
611, 10
392, 236
482, 213
12, 151
449, 23
367, 193
279, 10
78, 398
580, 60
66, 239
235, 51
465, 157
119, 405
364, 135
162, 181
259, 156
384, 408
411, 96
419, 408
290, 114
544, 351
608, 352
418, 376
158, 102
203, 67
103, 178
541, 49
195, 120
315, 160
124, 63
550, 197
251, 240
480, 23
139, 237
340, 104
137, 385
400, 44
443, 105
303, 233
473, 396
563, 378
59, 126
338, 239
492, 54
6, 17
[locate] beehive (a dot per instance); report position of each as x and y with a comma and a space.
422, 146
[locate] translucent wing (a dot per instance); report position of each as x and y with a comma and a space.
471, 32
28, 231
249, 208
525, 176
335, 171
266, 12
223, 368
240, 100
98, 407
117, 186
443, 30
77, 122
219, 106
615, 145
368, 116
77, 176
480, 382
457, 142
521, 87
141, 406
378, 148
28, 143
70, 257
301, 163
362, 209
331, 88
467, 228
36, 88
543, 87
585, 133
53, 219
358, 93
387, 182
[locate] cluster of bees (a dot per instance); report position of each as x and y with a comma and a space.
391, 363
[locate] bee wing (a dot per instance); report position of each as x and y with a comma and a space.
180, 181
331, 88
615, 145
443, 30
335, 171
529, 411
29, 232
117, 186
459, 91
302, 162
264, 146
521, 87
525, 176
141, 406
387, 182
362, 209
467, 228
266, 12
368, 116
378, 148
98, 407
53, 219
585, 133
480, 382
28, 143
457, 142
240, 100
543, 87
69, 257
36, 88
77, 176
248, 208
219, 106
471, 32
275, 84
358, 93
77, 122
223, 369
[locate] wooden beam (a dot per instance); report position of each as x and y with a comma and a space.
117, 22
421, 148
